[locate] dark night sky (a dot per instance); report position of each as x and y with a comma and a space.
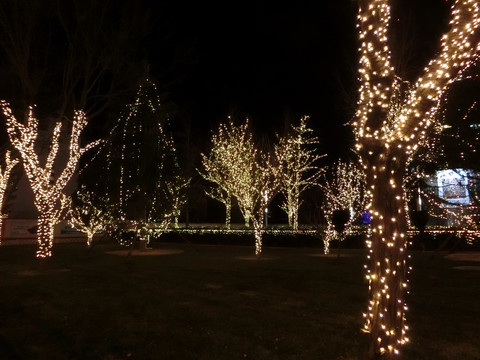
265, 62
271, 62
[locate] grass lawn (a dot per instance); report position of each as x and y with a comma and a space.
218, 303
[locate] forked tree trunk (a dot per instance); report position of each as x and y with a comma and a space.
387, 268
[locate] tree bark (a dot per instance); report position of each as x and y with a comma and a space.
387, 269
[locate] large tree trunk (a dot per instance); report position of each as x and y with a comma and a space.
387, 269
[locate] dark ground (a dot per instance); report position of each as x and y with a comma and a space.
191, 301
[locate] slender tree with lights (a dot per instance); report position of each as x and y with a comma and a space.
50, 200
392, 119
297, 167
254, 183
343, 189
255, 191
4, 181
217, 167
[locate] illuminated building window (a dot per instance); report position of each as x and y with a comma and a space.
453, 186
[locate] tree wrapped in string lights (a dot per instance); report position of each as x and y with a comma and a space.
343, 188
392, 119
4, 181
297, 167
50, 200
248, 175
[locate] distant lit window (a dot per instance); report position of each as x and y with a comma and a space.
475, 126
453, 186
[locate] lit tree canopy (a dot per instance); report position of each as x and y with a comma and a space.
49, 197
392, 119
297, 167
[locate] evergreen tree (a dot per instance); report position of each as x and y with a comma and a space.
142, 172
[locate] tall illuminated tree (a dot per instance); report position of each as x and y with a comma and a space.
4, 180
254, 190
393, 117
253, 182
50, 200
142, 160
297, 167
343, 189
